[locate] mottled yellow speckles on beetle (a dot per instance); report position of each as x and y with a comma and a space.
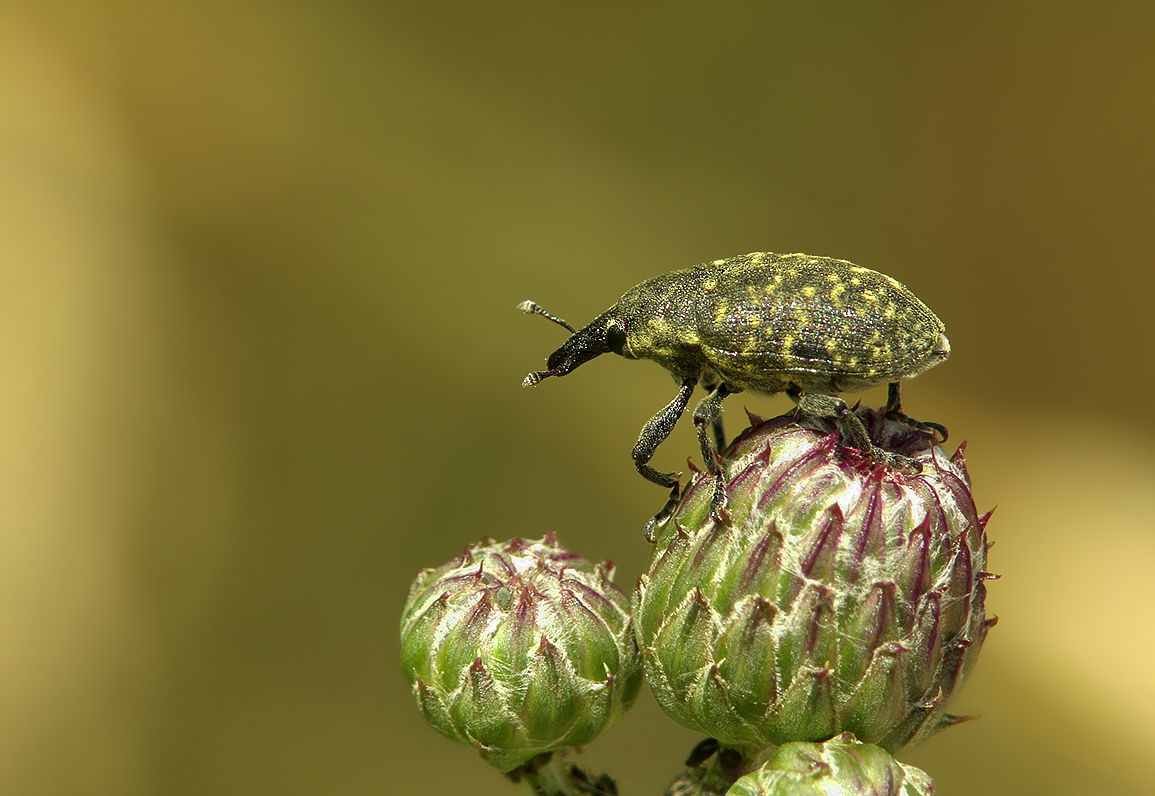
808, 326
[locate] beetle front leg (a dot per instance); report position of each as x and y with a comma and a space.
706, 414
894, 409
654, 434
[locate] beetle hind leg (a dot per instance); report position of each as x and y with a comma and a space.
710, 383
894, 409
853, 430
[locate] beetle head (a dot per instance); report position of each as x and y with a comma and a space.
602, 335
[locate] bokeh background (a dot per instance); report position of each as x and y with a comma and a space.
260, 358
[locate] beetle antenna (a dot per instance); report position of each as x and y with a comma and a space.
534, 378
532, 308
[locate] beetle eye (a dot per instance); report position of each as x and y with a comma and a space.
616, 338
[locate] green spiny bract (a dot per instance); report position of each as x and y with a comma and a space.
838, 767
840, 595
519, 648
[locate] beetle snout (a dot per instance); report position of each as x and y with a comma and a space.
567, 358
559, 363
581, 347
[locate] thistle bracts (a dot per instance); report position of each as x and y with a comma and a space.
519, 648
840, 596
841, 766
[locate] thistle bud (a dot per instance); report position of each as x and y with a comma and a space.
840, 766
519, 648
840, 595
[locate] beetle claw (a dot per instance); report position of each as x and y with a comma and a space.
937, 430
720, 515
940, 430
718, 502
660, 519
655, 524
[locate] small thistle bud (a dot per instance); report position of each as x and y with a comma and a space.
519, 648
840, 766
841, 595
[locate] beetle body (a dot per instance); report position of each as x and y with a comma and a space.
766, 323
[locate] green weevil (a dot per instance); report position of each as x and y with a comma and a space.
767, 323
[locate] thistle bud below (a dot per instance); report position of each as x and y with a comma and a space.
841, 595
840, 766
519, 648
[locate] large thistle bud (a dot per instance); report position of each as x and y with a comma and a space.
840, 766
519, 648
841, 595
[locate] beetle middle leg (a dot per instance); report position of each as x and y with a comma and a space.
831, 406
708, 413
654, 434
894, 409
709, 383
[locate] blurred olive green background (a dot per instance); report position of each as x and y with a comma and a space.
260, 357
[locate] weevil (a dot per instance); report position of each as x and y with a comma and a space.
811, 327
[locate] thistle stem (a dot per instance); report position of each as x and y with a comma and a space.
710, 770
554, 774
